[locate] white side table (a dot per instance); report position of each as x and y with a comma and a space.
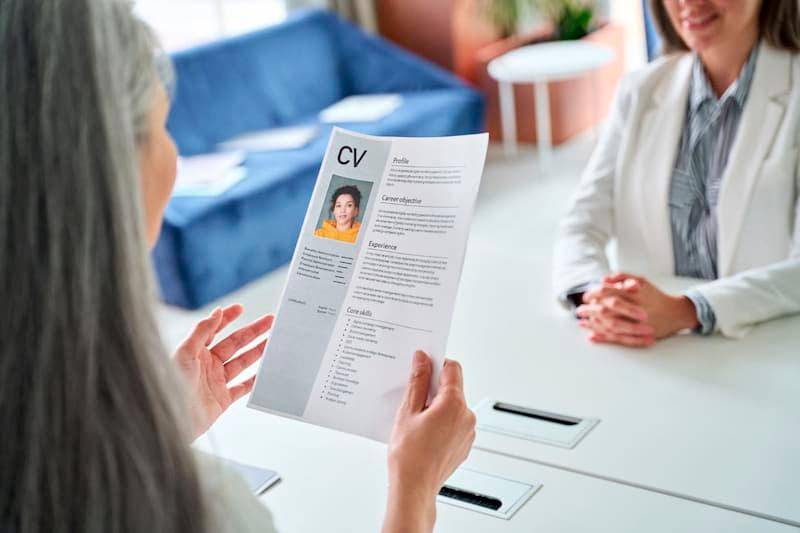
540, 64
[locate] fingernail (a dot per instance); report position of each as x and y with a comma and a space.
419, 364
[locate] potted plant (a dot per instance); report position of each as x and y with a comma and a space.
571, 19
505, 15
575, 104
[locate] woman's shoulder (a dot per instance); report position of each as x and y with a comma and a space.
233, 508
780, 71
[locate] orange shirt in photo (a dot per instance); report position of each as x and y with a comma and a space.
329, 231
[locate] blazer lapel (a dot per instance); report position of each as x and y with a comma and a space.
761, 118
661, 128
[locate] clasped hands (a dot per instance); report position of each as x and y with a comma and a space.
631, 311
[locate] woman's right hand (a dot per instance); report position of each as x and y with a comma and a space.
427, 444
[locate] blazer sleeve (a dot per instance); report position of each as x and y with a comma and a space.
745, 299
587, 227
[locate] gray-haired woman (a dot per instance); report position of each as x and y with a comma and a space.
94, 438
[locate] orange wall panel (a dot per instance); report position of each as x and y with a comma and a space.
421, 26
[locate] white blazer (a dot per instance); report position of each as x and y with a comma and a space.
623, 195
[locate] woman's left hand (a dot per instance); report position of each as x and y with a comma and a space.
626, 307
209, 370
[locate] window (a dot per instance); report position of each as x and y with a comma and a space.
183, 23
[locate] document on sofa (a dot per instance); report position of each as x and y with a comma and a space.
361, 108
209, 174
273, 139
373, 279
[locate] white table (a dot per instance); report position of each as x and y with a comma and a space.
706, 418
335, 482
540, 64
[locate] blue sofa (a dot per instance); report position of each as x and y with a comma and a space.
277, 77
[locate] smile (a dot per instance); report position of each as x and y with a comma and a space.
698, 23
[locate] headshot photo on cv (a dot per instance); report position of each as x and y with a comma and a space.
341, 215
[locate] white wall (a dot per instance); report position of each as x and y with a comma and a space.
628, 13
183, 23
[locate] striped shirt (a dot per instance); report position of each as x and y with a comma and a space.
711, 126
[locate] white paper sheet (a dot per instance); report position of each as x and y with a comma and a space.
208, 174
288, 138
361, 108
353, 313
215, 188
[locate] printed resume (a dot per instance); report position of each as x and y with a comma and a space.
374, 278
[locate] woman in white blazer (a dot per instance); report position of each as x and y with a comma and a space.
745, 225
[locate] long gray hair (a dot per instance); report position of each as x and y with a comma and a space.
92, 441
